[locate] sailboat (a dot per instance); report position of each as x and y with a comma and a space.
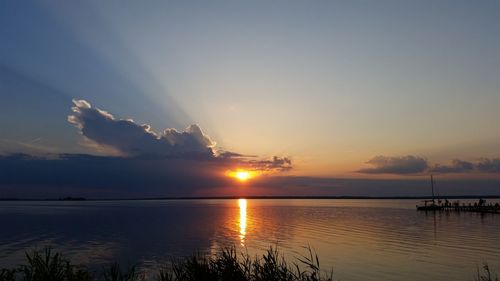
430, 205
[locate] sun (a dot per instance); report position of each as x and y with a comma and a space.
241, 174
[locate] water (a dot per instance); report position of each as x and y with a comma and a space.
360, 239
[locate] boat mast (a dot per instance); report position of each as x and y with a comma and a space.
432, 187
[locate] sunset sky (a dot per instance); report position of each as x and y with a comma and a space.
327, 97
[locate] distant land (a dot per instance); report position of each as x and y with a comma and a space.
255, 197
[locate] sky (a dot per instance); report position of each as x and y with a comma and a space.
313, 97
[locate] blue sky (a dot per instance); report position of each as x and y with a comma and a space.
331, 85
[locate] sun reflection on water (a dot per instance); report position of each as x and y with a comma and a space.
242, 203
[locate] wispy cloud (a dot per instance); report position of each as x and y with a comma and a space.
33, 146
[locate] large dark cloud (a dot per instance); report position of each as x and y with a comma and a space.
133, 139
107, 176
26, 176
395, 165
149, 164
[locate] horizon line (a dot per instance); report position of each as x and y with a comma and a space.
251, 197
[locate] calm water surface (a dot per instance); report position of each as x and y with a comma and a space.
360, 239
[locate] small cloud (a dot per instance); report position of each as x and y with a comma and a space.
456, 166
133, 139
274, 164
229, 154
395, 165
488, 165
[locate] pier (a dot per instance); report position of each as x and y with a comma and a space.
478, 207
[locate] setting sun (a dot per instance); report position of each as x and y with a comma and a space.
242, 175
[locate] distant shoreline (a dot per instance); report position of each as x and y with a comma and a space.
258, 198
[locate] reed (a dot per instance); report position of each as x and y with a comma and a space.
46, 266
225, 265
485, 274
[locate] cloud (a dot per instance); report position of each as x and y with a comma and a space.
148, 164
395, 165
83, 175
274, 164
230, 154
488, 165
456, 166
80, 175
133, 139
415, 165
92, 176
483, 165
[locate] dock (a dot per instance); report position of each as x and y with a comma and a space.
446, 206
442, 204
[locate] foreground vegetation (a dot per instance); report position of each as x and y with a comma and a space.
485, 274
226, 265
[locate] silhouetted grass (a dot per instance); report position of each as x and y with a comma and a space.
115, 273
7, 274
46, 266
226, 265
485, 274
